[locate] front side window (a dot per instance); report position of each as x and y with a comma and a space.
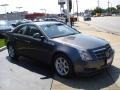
31, 30
58, 30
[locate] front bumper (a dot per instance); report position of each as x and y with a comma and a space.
92, 66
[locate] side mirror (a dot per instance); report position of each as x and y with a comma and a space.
38, 36
14, 25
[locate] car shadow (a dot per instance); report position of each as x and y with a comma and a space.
33, 66
99, 81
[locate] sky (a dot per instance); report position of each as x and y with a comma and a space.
51, 6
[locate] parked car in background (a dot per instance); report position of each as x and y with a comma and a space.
5, 26
62, 20
50, 19
87, 17
18, 22
61, 46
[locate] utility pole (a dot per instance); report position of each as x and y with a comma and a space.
77, 8
98, 3
68, 13
111, 8
108, 7
73, 9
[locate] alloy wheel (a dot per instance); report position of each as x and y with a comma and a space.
62, 66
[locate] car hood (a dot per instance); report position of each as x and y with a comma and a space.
81, 41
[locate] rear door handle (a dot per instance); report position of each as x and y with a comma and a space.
27, 41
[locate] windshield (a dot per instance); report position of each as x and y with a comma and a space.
58, 30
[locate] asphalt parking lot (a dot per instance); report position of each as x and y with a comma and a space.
27, 74
24, 74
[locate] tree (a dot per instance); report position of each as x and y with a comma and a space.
118, 7
93, 12
113, 10
98, 10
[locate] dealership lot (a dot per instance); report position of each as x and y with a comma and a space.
28, 75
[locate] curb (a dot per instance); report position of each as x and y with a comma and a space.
2, 48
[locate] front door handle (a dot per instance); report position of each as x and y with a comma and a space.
16, 38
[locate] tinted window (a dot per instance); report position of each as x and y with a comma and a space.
31, 30
21, 30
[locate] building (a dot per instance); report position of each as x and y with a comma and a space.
21, 15
32, 16
13, 16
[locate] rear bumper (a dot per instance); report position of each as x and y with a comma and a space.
87, 18
93, 66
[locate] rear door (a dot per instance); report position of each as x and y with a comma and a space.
21, 41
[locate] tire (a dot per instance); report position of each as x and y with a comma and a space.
63, 66
12, 53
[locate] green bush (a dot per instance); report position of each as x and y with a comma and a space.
2, 42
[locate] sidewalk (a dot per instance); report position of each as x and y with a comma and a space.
109, 80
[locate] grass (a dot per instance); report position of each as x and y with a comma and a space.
2, 43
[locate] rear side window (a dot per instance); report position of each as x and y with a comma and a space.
21, 30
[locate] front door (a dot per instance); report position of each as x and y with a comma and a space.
39, 48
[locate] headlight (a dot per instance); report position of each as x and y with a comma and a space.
84, 55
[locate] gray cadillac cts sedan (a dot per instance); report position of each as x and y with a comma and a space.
61, 46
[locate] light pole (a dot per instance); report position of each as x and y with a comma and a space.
44, 11
5, 5
19, 8
18, 13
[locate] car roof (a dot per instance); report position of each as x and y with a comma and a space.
45, 23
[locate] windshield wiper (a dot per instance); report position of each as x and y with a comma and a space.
73, 33
64, 35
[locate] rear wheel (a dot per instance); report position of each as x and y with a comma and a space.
63, 66
12, 53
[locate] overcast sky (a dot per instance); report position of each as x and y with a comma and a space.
51, 5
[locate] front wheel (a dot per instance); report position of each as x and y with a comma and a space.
63, 66
12, 53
